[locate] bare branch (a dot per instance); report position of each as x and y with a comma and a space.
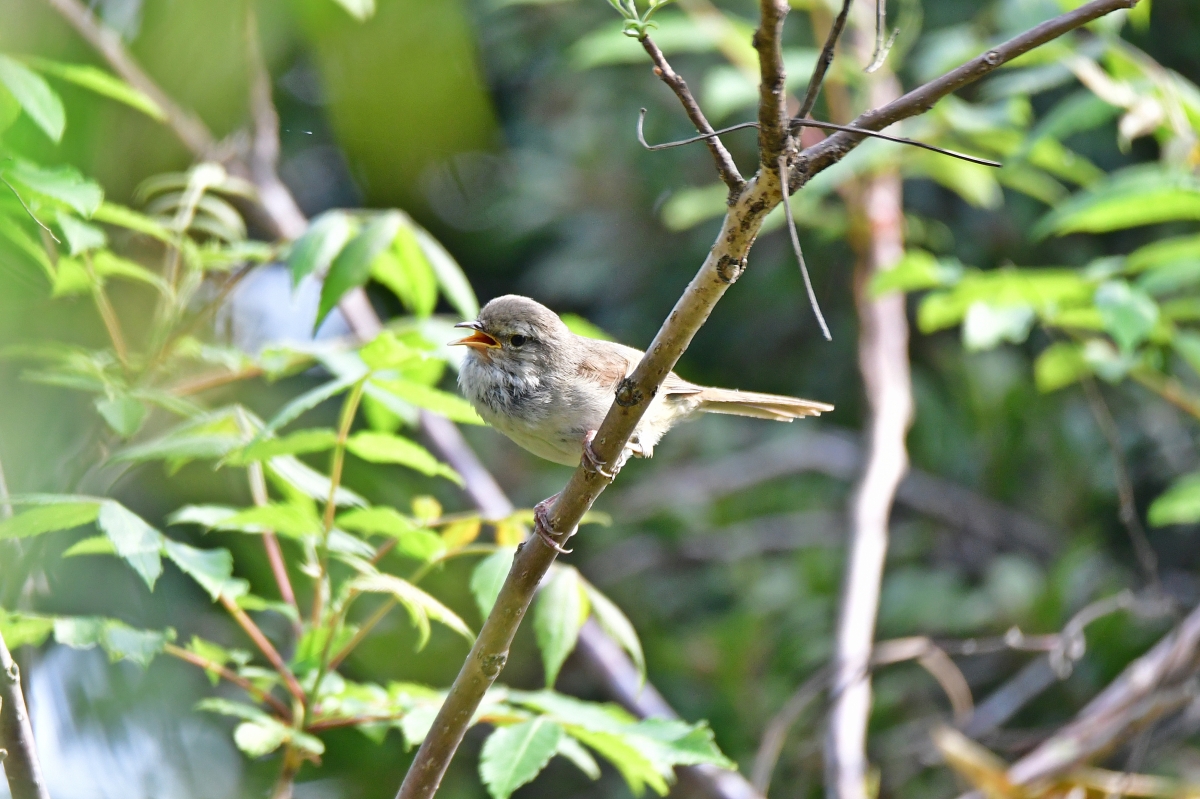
823, 61
1147, 689
726, 168
21, 766
772, 89
828, 152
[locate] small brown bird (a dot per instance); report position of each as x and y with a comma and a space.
548, 389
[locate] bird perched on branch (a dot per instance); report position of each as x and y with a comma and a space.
548, 389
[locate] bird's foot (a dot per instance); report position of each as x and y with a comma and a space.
592, 461
541, 525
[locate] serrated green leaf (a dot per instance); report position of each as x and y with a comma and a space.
102, 83
634, 767
118, 640
314, 251
211, 568
405, 270
49, 518
136, 542
514, 755
488, 578
310, 482
61, 183
614, 622
80, 236
306, 402
35, 96
388, 448
561, 609
572, 750
421, 606
352, 266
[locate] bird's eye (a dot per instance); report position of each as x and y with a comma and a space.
518, 340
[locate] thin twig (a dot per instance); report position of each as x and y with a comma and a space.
812, 123
823, 62
258, 490
791, 226
1146, 557
111, 323
726, 167
266, 647
201, 383
216, 668
882, 48
21, 766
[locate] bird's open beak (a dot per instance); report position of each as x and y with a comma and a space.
477, 340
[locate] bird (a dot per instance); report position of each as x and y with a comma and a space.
548, 389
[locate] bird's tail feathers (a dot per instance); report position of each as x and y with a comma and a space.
760, 406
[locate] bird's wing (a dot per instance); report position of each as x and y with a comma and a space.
608, 363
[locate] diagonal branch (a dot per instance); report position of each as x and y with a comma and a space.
772, 89
726, 168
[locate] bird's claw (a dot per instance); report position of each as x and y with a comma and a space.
541, 526
592, 461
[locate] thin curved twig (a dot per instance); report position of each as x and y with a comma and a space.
791, 226
882, 48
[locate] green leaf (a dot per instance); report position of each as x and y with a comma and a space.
211, 568
617, 625
351, 268
488, 578
572, 750
450, 276
92, 545
81, 236
49, 518
637, 770
405, 270
1179, 504
1129, 314
117, 639
561, 609
293, 521
61, 183
314, 251
389, 448
1060, 365
421, 606
35, 96
10, 109
379, 520
297, 443
453, 407
206, 516
917, 270
10, 230
310, 482
102, 83
514, 755
123, 414
1130, 198
135, 541
20, 629
257, 739
108, 264
119, 215
1163, 251
1187, 344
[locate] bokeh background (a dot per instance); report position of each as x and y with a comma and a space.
507, 129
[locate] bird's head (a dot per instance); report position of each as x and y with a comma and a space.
514, 329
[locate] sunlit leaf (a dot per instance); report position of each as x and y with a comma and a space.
293, 521
313, 252
20, 629
136, 542
119, 215
387, 448
488, 578
634, 767
561, 609
211, 568
352, 266
572, 750
614, 622
35, 96
1179, 504
453, 407
297, 443
514, 755
123, 414
310, 482
92, 545
102, 83
80, 236
61, 183
421, 606
1128, 313
1136, 196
